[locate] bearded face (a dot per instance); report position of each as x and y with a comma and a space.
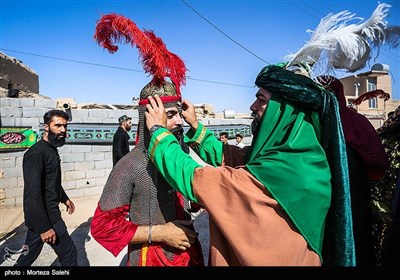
128, 126
178, 132
174, 122
255, 124
56, 139
258, 109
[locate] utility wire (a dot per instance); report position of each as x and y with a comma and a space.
290, 2
71, 60
226, 35
188, 77
221, 83
119, 68
300, 8
386, 53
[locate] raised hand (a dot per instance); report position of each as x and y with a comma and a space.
155, 114
189, 114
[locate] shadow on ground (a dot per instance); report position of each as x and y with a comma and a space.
80, 236
12, 245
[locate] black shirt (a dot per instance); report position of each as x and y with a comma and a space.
42, 190
120, 144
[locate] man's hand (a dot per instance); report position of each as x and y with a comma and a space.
175, 234
189, 114
49, 236
155, 112
70, 206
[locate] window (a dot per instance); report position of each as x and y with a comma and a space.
371, 85
372, 103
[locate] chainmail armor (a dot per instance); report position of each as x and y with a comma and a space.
135, 181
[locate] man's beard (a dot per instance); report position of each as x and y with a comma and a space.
255, 124
55, 140
178, 132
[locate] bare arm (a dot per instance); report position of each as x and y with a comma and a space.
175, 234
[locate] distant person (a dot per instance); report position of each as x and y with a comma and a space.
43, 193
223, 136
239, 139
121, 138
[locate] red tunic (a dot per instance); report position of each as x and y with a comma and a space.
114, 232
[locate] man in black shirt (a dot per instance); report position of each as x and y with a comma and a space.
43, 193
121, 138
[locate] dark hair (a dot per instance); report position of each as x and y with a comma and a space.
48, 116
224, 133
239, 135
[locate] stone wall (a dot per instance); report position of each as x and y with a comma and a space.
15, 74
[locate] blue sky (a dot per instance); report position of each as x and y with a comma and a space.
223, 43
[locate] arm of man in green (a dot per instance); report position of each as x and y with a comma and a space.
182, 166
179, 169
210, 149
205, 144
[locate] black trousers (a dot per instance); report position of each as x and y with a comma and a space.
64, 247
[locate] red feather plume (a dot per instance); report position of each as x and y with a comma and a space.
155, 57
371, 94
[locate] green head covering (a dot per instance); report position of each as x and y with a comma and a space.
303, 163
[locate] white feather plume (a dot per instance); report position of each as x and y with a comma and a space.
336, 44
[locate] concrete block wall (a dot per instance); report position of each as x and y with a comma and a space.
213, 121
85, 168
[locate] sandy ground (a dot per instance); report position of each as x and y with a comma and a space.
90, 253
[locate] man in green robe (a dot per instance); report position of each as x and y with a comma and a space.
284, 200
